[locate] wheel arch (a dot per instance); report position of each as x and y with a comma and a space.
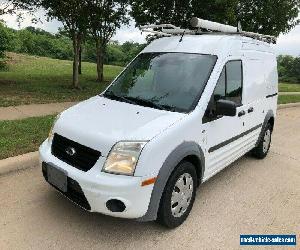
271, 121
194, 159
187, 151
269, 118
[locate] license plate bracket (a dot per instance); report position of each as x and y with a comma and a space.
57, 177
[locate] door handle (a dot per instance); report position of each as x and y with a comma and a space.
250, 110
241, 113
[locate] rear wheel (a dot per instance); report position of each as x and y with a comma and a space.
263, 147
179, 195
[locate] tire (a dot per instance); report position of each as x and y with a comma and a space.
262, 149
181, 187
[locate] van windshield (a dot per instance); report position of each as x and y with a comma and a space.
168, 81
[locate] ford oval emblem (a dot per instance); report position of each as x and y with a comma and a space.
70, 151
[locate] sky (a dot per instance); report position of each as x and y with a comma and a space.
287, 44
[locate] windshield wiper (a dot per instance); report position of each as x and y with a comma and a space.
138, 101
145, 103
149, 103
111, 95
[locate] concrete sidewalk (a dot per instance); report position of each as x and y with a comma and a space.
32, 110
289, 93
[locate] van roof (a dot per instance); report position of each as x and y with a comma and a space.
219, 45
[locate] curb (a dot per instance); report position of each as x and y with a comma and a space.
25, 161
288, 105
19, 162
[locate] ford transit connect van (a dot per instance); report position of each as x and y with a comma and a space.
181, 111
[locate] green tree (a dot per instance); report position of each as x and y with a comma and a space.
72, 13
9, 7
296, 68
4, 44
131, 49
285, 63
115, 54
270, 17
12, 6
105, 17
35, 41
289, 68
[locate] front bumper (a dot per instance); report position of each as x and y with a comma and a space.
99, 187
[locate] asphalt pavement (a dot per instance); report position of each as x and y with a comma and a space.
249, 197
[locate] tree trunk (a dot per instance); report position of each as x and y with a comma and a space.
100, 61
80, 60
76, 48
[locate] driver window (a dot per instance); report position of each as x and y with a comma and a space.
220, 90
228, 87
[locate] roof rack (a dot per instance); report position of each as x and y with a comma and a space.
204, 27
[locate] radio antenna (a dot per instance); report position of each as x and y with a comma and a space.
181, 38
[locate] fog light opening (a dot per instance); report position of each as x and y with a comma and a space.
115, 206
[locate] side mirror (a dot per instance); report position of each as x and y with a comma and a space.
226, 108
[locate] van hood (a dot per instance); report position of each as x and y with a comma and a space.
100, 123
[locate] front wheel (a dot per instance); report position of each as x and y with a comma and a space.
263, 147
179, 195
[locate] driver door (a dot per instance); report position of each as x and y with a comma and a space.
223, 132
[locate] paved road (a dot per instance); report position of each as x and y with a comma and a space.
250, 196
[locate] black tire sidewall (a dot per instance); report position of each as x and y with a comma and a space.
165, 216
259, 151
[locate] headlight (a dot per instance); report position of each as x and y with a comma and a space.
51, 134
123, 157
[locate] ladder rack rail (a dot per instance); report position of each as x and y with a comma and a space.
215, 29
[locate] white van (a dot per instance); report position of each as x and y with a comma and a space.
185, 108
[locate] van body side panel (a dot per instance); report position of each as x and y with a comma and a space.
260, 88
259, 79
254, 94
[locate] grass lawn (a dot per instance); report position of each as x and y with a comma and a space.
23, 136
32, 79
283, 99
289, 87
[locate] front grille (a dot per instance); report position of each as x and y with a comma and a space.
84, 157
74, 191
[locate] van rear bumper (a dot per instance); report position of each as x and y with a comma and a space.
92, 190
